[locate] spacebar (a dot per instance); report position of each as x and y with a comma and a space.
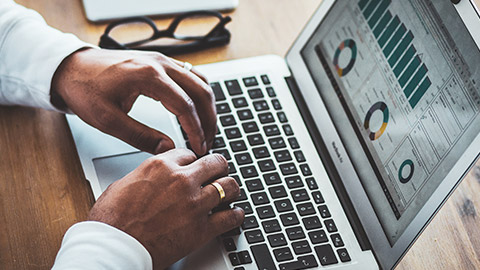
263, 258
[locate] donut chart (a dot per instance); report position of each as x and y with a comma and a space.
380, 106
348, 43
405, 163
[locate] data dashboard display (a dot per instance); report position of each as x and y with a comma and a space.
407, 77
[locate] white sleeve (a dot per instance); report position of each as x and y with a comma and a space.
96, 245
30, 52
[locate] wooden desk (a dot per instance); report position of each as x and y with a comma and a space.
42, 187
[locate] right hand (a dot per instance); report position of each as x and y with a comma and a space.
163, 205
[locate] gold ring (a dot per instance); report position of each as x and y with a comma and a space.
187, 66
220, 190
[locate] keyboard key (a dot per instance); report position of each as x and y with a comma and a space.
277, 240
229, 244
255, 139
276, 104
223, 152
323, 209
283, 205
242, 196
231, 168
234, 259
263, 258
238, 146
311, 183
312, 223
266, 118
282, 155
265, 212
223, 108
254, 185
271, 130
243, 158
247, 208
218, 143
272, 178
255, 93
277, 143
254, 236
217, 91
232, 232
250, 127
233, 133
301, 247
245, 114
293, 143
303, 262
277, 192
305, 170
271, 92
261, 152
287, 129
330, 224
233, 87
249, 171
283, 254
299, 156
260, 105
300, 195
295, 233
250, 222
343, 254
294, 181
318, 237
271, 226
288, 169
260, 198
227, 120
239, 102
244, 257
237, 179
305, 209
265, 79
250, 81
282, 117
317, 197
266, 165
289, 219
325, 254
337, 240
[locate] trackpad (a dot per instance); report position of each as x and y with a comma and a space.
110, 169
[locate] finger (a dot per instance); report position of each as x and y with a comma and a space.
211, 196
116, 123
203, 97
180, 156
179, 103
193, 70
226, 220
208, 168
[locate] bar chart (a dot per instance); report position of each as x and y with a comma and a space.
396, 40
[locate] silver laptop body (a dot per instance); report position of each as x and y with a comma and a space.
382, 100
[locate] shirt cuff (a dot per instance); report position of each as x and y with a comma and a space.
96, 245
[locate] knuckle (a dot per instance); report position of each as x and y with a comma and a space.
207, 93
155, 162
232, 185
187, 106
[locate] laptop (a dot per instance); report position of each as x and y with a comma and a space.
103, 10
344, 150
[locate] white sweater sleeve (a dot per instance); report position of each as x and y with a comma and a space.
96, 245
30, 52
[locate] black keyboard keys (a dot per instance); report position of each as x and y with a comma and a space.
233, 133
250, 222
223, 108
217, 90
254, 185
305, 209
301, 247
343, 254
263, 258
289, 219
326, 255
323, 209
287, 129
266, 165
218, 143
271, 92
305, 170
250, 81
295, 233
260, 198
272, 178
283, 254
303, 262
317, 197
318, 237
311, 223
276, 104
248, 172
261, 152
277, 240
293, 143
266, 118
265, 79
288, 169
283, 205
277, 192
300, 195
229, 244
239, 102
227, 120
330, 225
255, 93
255, 139
247, 208
282, 117
233, 87
299, 156
245, 114
271, 130
243, 158
271, 226
238, 146
311, 183
244, 257
223, 152
254, 236
265, 212
282, 155
277, 143
294, 181
337, 240
250, 127
260, 105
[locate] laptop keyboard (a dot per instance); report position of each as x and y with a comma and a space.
287, 223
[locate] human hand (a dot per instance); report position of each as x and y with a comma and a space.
100, 86
162, 204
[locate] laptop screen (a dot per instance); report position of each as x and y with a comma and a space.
407, 76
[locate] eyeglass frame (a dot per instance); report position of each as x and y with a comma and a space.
218, 36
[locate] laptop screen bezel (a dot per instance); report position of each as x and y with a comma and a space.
387, 256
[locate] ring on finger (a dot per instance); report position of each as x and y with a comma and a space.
187, 66
220, 190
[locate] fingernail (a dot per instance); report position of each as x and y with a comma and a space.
162, 147
204, 147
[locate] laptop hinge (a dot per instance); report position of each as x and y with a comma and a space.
329, 165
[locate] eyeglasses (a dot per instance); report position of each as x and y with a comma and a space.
217, 36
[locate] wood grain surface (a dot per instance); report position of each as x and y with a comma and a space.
42, 186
